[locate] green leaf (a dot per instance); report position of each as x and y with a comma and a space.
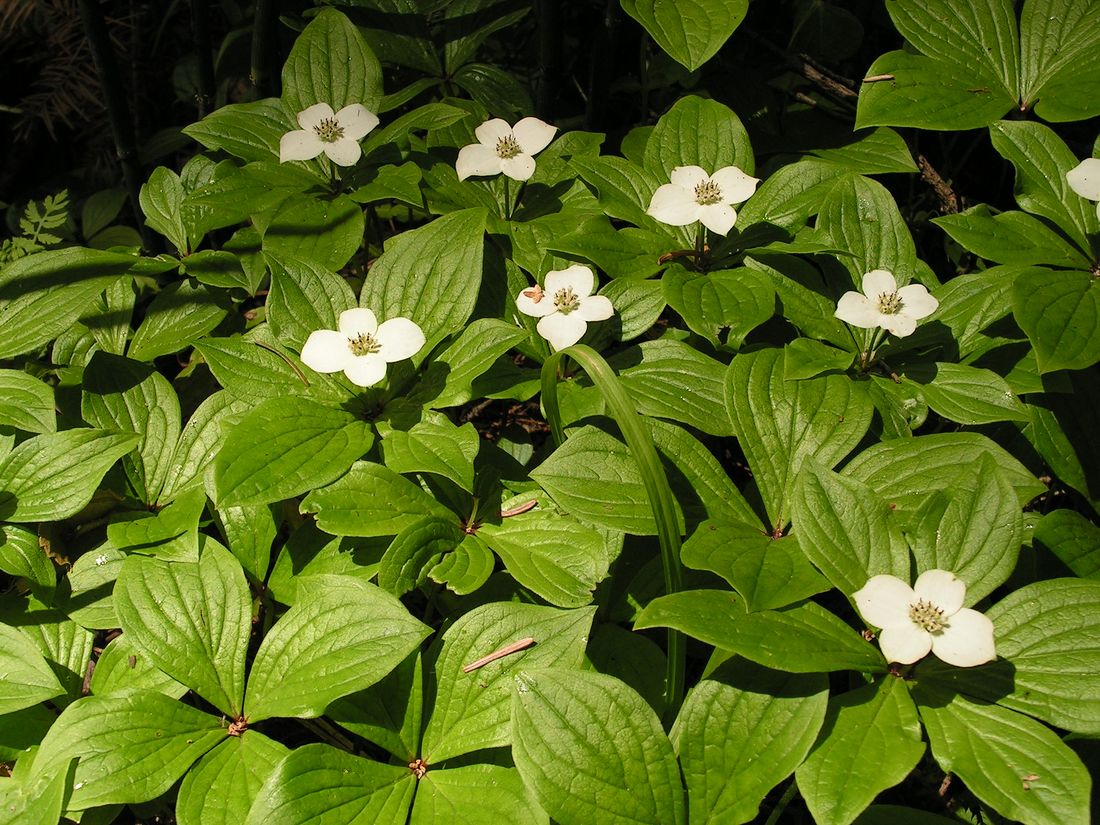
399, 183
223, 784
472, 710
21, 555
320, 785
549, 552
162, 202
204, 610
779, 423
631, 657
180, 315
331, 63
1010, 238
371, 500
468, 357
465, 569
249, 131
1060, 44
250, 190
691, 32
845, 529
871, 740
624, 189
1067, 534
171, 534
389, 712
304, 297
803, 298
697, 132
670, 379
803, 638
474, 795
28, 678
193, 460
250, 369
431, 275
1060, 312
36, 802
284, 447
807, 358
1048, 641
121, 668
131, 747
127, 395
218, 268
53, 475
638, 304
434, 446
250, 531
592, 750
1041, 160
875, 152
343, 636
26, 403
430, 116
324, 232
996, 752
42, 295
970, 395
740, 733
906, 471
766, 572
415, 551
736, 301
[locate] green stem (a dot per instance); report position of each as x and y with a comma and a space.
782, 804
701, 247
263, 47
200, 34
640, 442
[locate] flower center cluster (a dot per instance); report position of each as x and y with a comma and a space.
508, 147
566, 300
707, 192
363, 344
927, 616
329, 130
889, 303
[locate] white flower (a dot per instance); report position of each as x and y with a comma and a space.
1084, 179
694, 196
566, 306
504, 148
362, 347
337, 135
883, 304
928, 616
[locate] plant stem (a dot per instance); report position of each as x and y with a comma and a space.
601, 70
200, 34
701, 247
550, 53
782, 804
122, 126
263, 48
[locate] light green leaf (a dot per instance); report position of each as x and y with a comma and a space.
807, 358
21, 555
66, 645
624, 189
193, 460
1010, 238
248, 369
474, 795
592, 750
779, 423
875, 152
472, 710
284, 447
249, 131
343, 637
223, 784
304, 297
121, 668
1013, 763
740, 733
26, 403
371, 500
710, 616
431, 275
320, 785
845, 529
389, 712
193, 621
39, 801
465, 569
735, 301
53, 475
162, 202
638, 304
415, 550
970, 395
871, 740
249, 531
250, 190
697, 132
331, 63
803, 297
1068, 535
131, 747
466, 358
324, 232
28, 678
1060, 312
127, 395
1060, 59
631, 657
180, 315
434, 446
689, 32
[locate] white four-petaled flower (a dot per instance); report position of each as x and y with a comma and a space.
362, 347
504, 148
565, 306
694, 196
337, 134
929, 616
883, 304
1084, 179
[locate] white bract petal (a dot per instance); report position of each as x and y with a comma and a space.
693, 195
361, 347
1084, 179
565, 305
337, 134
926, 617
884, 305
504, 149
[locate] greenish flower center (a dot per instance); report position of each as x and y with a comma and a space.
889, 303
329, 130
927, 616
566, 300
364, 344
508, 147
707, 192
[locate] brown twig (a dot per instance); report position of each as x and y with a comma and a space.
949, 201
